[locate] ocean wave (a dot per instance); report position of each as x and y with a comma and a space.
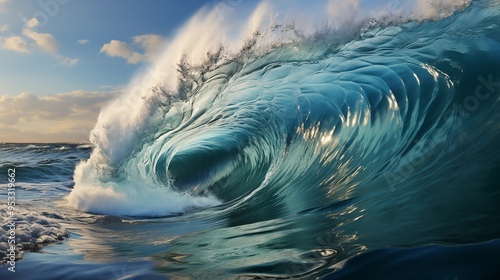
297, 118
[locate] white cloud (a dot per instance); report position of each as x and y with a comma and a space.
44, 41
60, 117
32, 23
149, 42
117, 48
4, 28
83, 42
146, 48
14, 43
31, 39
2, 5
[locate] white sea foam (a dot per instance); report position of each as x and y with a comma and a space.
32, 231
134, 199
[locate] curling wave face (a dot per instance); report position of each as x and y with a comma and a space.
287, 126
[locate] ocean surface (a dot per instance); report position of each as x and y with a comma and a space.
364, 149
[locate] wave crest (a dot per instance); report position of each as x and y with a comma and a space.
293, 113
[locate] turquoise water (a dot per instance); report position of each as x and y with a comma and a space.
374, 156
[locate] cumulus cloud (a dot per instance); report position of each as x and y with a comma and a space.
117, 48
46, 42
64, 117
32, 23
150, 44
31, 40
14, 43
83, 41
142, 48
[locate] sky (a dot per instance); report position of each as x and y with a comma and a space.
62, 60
